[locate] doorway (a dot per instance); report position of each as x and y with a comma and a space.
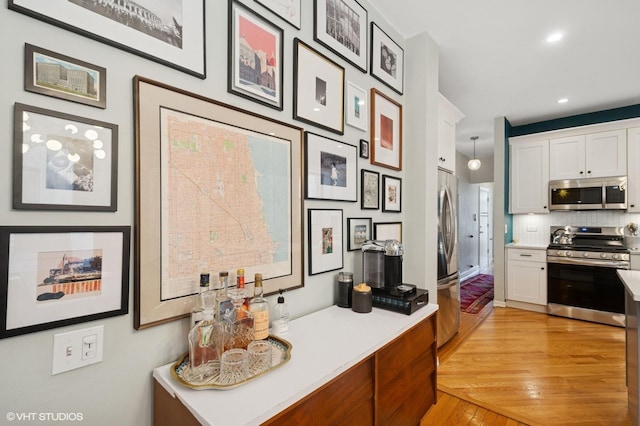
485, 239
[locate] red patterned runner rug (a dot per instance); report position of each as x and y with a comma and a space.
475, 293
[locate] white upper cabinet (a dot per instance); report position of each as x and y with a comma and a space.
529, 176
633, 169
602, 154
448, 117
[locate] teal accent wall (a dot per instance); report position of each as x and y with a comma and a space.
615, 114
508, 218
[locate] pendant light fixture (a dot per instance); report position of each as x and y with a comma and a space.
474, 163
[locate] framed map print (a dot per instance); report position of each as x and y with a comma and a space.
217, 189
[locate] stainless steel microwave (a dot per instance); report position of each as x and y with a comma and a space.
588, 194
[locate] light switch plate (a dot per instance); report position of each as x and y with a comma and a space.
77, 349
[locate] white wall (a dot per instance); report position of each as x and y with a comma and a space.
119, 389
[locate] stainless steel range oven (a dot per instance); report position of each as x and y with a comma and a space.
582, 281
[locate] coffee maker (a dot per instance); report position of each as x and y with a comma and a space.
382, 267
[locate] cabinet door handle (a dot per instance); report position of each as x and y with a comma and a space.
588, 171
542, 268
525, 255
581, 172
544, 207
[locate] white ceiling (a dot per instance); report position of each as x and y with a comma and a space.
494, 60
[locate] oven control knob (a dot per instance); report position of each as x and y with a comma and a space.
616, 256
603, 255
569, 254
585, 254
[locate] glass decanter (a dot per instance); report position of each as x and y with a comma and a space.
206, 341
240, 327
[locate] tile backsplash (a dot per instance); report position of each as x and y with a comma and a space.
535, 228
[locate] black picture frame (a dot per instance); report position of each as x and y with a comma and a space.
76, 262
288, 12
391, 194
257, 80
359, 230
341, 26
364, 149
318, 84
75, 168
325, 237
387, 59
369, 190
387, 231
331, 168
88, 85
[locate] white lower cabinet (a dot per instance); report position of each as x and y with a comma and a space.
527, 275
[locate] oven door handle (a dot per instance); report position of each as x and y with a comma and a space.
590, 262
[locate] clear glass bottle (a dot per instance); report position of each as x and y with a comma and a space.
240, 328
205, 298
206, 342
280, 316
259, 307
224, 306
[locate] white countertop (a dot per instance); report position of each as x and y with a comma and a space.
527, 245
324, 344
631, 280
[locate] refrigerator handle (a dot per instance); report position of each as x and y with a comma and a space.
449, 209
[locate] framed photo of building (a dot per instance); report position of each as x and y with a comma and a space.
60, 76
341, 26
332, 169
318, 84
369, 190
237, 176
289, 10
386, 131
255, 57
387, 231
358, 231
63, 162
357, 107
57, 276
325, 240
387, 59
170, 32
392, 196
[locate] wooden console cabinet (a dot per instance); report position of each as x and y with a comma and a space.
395, 384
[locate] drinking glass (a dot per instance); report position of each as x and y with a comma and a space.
259, 356
234, 366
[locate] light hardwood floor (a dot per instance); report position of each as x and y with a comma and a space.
514, 367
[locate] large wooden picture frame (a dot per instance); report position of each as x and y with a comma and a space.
218, 188
58, 276
169, 32
63, 162
386, 131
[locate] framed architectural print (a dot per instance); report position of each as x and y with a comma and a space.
369, 190
63, 162
289, 10
247, 213
387, 231
357, 107
57, 276
170, 32
387, 59
364, 148
341, 26
392, 194
358, 231
332, 169
386, 131
318, 84
325, 240
53, 74
255, 57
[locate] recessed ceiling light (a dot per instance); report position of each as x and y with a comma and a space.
563, 101
554, 37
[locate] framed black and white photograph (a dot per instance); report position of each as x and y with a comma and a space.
387, 231
386, 131
54, 74
325, 240
358, 232
318, 85
332, 169
357, 114
341, 26
255, 57
387, 59
170, 32
392, 194
289, 10
364, 148
369, 190
57, 276
63, 162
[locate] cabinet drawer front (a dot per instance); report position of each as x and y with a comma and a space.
532, 255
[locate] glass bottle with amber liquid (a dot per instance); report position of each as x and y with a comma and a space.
259, 307
206, 343
240, 328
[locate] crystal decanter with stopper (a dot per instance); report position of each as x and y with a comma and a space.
240, 328
206, 340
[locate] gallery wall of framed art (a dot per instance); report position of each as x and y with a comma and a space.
87, 154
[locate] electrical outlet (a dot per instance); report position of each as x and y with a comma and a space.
77, 349
532, 228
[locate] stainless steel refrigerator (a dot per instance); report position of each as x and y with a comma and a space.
448, 278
